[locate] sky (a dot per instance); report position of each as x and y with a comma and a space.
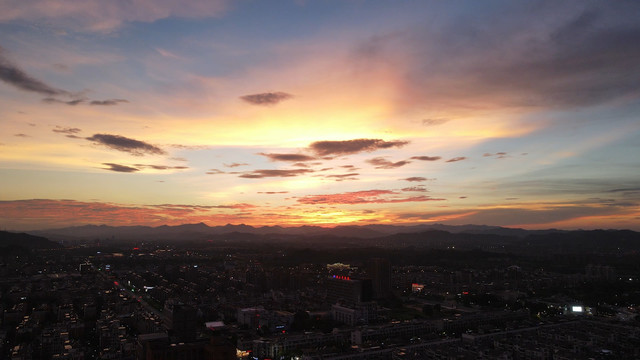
332, 112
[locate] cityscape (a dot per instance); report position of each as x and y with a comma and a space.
473, 292
319, 180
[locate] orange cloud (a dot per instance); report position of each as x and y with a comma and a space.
362, 197
59, 213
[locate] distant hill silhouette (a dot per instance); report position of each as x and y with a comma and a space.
11, 239
435, 236
166, 232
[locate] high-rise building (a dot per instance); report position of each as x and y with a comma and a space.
182, 321
379, 270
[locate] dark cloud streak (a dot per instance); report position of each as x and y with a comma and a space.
121, 143
138, 167
266, 99
415, 179
66, 130
259, 174
13, 75
161, 167
108, 102
326, 148
426, 158
288, 157
382, 163
74, 102
120, 168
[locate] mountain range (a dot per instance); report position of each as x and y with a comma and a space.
199, 230
432, 236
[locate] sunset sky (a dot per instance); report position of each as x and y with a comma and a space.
517, 114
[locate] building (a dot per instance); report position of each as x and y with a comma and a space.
181, 321
348, 291
159, 346
379, 270
359, 314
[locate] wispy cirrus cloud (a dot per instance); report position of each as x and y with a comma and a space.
498, 155
74, 102
66, 130
69, 132
267, 98
125, 144
434, 122
160, 167
456, 159
415, 179
587, 214
169, 54
235, 164
415, 189
382, 163
108, 102
346, 147
239, 206
77, 101
625, 190
585, 56
590, 213
343, 177
362, 197
100, 16
188, 147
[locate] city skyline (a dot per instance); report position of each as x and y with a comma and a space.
319, 113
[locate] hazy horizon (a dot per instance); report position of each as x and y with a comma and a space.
325, 226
